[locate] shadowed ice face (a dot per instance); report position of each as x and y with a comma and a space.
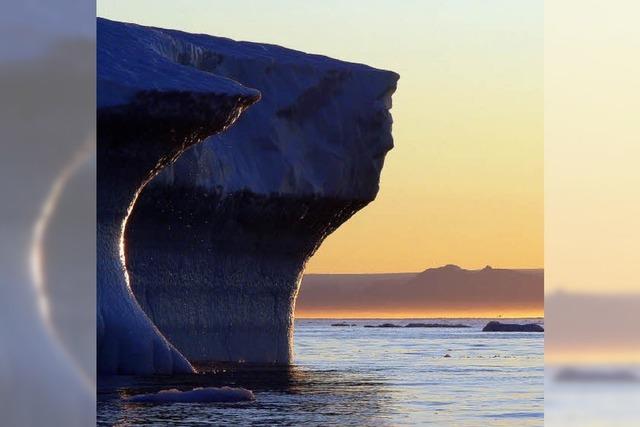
321, 134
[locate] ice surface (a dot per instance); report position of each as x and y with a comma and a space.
150, 110
132, 58
322, 127
197, 395
215, 247
218, 241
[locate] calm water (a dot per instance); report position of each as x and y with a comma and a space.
363, 376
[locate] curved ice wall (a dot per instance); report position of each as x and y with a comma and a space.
217, 243
150, 109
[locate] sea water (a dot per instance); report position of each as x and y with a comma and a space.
353, 375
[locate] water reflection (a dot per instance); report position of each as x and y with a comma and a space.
284, 396
362, 376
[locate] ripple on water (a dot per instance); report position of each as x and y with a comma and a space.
368, 376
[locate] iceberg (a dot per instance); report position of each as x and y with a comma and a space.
218, 241
150, 110
205, 228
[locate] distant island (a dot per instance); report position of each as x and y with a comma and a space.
448, 291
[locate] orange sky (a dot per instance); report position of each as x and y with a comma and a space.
407, 314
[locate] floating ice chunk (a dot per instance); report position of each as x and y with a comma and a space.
197, 395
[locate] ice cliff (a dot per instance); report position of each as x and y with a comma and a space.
150, 109
216, 243
219, 240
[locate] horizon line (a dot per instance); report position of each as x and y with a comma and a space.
429, 268
418, 318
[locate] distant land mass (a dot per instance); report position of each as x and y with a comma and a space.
448, 291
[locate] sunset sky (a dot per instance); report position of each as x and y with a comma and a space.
464, 184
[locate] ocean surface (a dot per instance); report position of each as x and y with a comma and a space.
352, 375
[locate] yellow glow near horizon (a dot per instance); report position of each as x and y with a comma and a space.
421, 314
464, 184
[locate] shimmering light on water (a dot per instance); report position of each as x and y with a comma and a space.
364, 376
